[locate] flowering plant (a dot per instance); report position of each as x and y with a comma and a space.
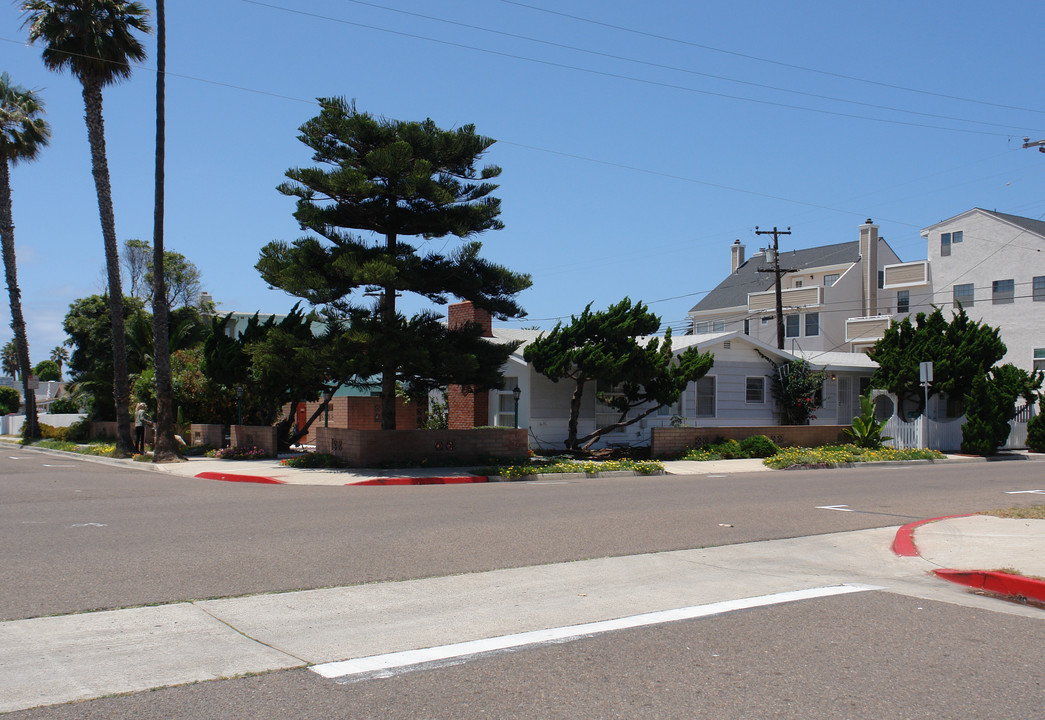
238, 453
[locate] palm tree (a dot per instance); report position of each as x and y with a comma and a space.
9, 359
61, 356
22, 134
165, 448
93, 40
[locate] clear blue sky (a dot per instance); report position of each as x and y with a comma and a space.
638, 140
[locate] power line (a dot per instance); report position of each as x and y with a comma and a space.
779, 63
673, 68
618, 76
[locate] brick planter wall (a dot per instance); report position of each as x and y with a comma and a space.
259, 436
207, 434
372, 448
105, 430
358, 413
667, 442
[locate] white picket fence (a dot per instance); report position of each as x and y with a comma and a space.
946, 435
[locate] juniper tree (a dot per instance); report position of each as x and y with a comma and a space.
960, 351
391, 179
606, 347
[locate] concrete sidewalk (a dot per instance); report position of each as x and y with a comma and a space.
59, 659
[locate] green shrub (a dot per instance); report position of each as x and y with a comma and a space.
866, 431
63, 405
313, 460
986, 425
10, 400
50, 432
1036, 429
79, 431
759, 446
730, 450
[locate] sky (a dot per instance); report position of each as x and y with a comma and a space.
637, 140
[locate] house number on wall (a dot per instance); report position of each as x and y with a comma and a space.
336, 445
448, 445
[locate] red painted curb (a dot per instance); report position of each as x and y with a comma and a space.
424, 480
261, 479
903, 543
996, 582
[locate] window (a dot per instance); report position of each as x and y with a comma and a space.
812, 324
791, 326
747, 326
718, 326
957, 236
945, 244
604, 413
703, 328
830, 280
675, 409
798, 283
963, 295
881, 279
1039, 359
506, 403
706, 396
903, 301
1039, 288
1002, 292
756, 390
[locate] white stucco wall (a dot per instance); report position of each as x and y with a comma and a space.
993, 249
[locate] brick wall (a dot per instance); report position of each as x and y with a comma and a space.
667, 442
359, 413
207, 434
373, 448
467, 410
105, 429
259, 436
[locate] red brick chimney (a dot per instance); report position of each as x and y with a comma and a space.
468, 410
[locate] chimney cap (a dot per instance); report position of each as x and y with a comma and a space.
869, 222
737, 241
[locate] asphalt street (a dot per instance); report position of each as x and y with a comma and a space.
80, 536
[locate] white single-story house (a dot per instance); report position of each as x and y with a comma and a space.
736, 392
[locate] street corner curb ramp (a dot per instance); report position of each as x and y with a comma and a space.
992, 581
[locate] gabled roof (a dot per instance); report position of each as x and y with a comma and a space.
733, 291
1029, 224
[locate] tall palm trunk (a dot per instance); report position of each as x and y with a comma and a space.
7, 237
388, 372
92, 99
166, 448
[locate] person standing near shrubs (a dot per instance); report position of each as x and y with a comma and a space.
140, 422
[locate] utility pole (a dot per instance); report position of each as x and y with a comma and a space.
776, 273
1040, 144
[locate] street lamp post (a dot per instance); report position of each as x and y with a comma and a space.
516, 393
239, 406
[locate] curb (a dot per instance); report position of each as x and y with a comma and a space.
992, 581
903, 543
232, 477
437, 480
997, 582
